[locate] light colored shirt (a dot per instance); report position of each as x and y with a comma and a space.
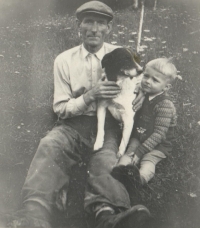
75, 72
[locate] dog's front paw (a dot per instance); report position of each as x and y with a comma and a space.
98, 145
121, 151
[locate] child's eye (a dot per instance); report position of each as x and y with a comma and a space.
155, 80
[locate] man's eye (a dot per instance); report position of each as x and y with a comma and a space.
88, 21
101, 22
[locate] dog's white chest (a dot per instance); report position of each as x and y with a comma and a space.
122, 104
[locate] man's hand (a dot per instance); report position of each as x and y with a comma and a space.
104, 89
137, 103
135, 160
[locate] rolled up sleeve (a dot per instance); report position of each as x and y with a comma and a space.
64, 104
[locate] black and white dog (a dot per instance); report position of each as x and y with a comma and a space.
121, 66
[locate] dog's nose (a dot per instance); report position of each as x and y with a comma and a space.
139, 69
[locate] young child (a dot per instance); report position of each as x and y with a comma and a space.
154, 124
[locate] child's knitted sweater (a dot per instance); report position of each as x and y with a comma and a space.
154, 125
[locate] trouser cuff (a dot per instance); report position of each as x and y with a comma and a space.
99, 207
40, 202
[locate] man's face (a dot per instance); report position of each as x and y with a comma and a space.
153, 82
94, 29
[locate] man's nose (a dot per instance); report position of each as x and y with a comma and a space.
94, 26
148, 80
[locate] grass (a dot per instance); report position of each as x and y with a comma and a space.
28, 49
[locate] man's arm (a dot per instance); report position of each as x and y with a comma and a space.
65, 105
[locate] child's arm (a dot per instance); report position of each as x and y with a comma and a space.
164, 112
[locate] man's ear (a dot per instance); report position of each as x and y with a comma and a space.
109, 27
167, 87
78, 23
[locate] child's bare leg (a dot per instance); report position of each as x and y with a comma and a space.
148, 165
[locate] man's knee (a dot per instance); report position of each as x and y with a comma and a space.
57, 140
111, 140
55, 152
46, 147
102, 162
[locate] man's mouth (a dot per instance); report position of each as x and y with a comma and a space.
93, 37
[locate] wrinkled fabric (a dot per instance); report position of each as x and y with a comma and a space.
50, 169
147, 163
76, 71
101, 186
63, 148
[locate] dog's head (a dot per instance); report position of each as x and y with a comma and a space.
120, 61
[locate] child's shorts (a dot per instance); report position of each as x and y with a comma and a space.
147, 163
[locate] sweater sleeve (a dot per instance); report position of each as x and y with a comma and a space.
65, 105
163, 115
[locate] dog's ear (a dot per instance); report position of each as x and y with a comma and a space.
134, 55
108, 63
107, 60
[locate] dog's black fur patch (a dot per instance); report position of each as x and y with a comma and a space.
118, 60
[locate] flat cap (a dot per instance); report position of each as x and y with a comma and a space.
94, 7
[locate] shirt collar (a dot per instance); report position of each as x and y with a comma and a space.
153, 96
100, 54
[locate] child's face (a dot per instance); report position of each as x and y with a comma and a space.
154, 82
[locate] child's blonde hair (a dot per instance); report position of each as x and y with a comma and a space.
164, 66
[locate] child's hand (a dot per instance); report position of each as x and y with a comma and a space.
135, 160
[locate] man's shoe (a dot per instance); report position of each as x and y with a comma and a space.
135, 217
27, 222
32, 216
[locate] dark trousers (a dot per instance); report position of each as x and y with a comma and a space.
63, 148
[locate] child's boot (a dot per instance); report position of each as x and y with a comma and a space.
128, 175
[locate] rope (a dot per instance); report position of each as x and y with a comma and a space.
140, 26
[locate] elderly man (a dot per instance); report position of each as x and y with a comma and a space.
76, 73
